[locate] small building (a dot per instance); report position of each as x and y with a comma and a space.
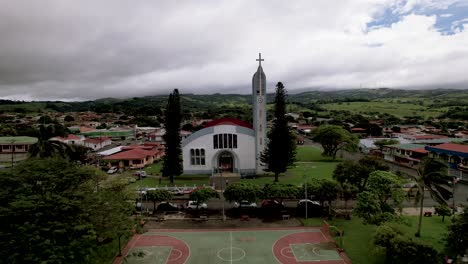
13, 149
456, 156
134, 157
405, 154
97, 143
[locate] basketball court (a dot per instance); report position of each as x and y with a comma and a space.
249, 246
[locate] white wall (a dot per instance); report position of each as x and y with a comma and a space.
244, 155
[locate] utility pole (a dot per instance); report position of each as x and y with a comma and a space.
12, 152
454, 183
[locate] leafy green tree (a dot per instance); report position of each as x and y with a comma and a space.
281, 191
239, 191
280, 151
401, 249
357, 173
203, 195
75, 219
347, 192
8, 132
456, 240
442, 210
334, 138
43, 218
431, 176
383, 142
383, 193
157, 196
69, 118
322, 190
45, 120
172, 159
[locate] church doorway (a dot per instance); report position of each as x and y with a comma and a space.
226, 162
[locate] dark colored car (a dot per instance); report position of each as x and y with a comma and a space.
313, 208
167, 207
272, 204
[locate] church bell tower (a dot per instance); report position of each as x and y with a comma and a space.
259, 111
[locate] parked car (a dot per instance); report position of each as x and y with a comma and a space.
175, 190
167, 207
272, 204
245, 204
313, 208
139, 174
192, 205
112, 170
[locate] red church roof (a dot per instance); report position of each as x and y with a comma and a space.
228, 121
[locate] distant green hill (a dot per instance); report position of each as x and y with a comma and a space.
431, 102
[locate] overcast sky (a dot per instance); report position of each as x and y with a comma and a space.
88, 49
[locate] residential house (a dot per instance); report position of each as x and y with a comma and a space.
134, 157
405, 154
13, 149
97, 143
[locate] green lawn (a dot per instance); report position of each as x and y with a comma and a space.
357, 239
310, 164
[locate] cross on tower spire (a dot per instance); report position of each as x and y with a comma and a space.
259, 59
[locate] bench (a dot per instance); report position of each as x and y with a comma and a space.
285, 217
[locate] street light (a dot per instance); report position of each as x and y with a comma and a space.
222, 192
305, 192
454, 183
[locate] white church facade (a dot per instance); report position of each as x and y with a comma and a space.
230, 145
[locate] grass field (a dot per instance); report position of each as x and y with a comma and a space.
261, 245
310, 164
357, 240
396, 109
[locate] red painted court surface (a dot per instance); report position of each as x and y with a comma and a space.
246, 246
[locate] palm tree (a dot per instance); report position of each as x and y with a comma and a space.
432, 176
45, 147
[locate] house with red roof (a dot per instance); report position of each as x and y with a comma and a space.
136, 156
405, 154
456, 156
97, 143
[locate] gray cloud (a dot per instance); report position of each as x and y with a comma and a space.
64, 49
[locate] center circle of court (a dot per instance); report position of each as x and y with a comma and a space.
231, 254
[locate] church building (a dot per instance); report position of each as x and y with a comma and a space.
230, 145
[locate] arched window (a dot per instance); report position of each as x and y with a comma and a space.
197, 156
221, 141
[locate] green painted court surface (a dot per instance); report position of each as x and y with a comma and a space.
249, 246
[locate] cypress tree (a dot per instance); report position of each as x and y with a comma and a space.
172, 165
280, 152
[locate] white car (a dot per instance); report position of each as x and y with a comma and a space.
112, 170
192, 205
245, 204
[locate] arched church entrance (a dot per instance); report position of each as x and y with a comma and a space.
226, 162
